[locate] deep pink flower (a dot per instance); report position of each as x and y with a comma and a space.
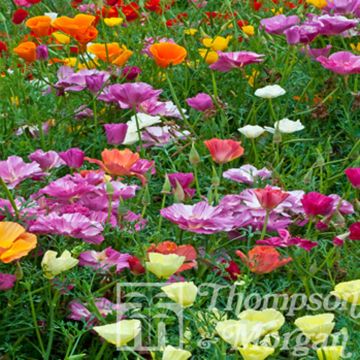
201, 102
73, 158
316, 52
269, 198
342, 62
200, 218
130, 72
353, 175
47, 160
350, 7
315, 204
304, 33
279, 23
333, 25
247, 174
14, 170
184, 180
233, 60
354, 231
115, 133
42, 52
104, 260
74, 225
7, 281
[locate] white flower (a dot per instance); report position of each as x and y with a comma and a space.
52, 15
286, 126
270, 92
251, 131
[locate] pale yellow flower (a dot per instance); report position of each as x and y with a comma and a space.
348, 291
171, 353
53, 265
183, 293
163, 266
255, 352
330, 352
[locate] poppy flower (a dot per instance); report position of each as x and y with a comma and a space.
113, 53
39, 25
354, 231
166, 54
263, 259
26, 50
19, 16
315, 204
269, 198
131, 11
223, 151
15, 242
81, 27
353, 175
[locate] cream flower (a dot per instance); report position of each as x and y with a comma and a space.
53, 266
348, 291
330, 352
163, 266
286, 126
270, 92
255, 352
171, 353
183, 293
251, 131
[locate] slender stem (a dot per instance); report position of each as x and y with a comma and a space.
101, 351
162, 206
10, 198
51, 324
263, 232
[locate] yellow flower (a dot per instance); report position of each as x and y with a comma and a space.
73, 61
277, 12
239, 332
171, 353
248, 30
356, 47
209, 56
53, 266
217, 43
15, 100
163, 266
113, 21
317, 3
330, 352
348, 291
190, 31
60, 37
119, 333
183, 293
316, 327
271, 319
255, 352
251, 78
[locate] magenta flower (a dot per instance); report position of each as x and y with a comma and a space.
285, 240
47, 160
353, 175
184, 180
342, 62
201, 102
350, 7
14, 170
130, 72
315, 204
316, 52
129, 95
233, 60
200, 218
304, 33
279, 23
7, 281
83, 112
73, 158
74, 225
247, 174
105, 260
333, 25
115, 133
42, 52
354, 231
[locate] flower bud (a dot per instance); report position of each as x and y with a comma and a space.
194, 156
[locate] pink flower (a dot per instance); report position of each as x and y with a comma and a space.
279, 23
316, 52
105, 260
233, 60
201, 102
354, 231
223, 151
160, 136
247, 174
47, 160
342, 62
200, 218
7, 281
73, 158
74, 225
115, 133
184, 180
14, 170
353, 175
269, 198
130, 72
315, 204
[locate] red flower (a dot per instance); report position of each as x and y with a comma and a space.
135, 266
19, 16
257, 5
3, 47
269, 198
354, 231
154, 6
223, 151
169, 247
109, 12
131, 11
263, 259
315, 203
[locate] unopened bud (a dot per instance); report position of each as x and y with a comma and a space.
166, 189
194, 156
179, 194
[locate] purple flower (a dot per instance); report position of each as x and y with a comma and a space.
350, 7
285, 240
201, 102
232, 60
74, 225
130, 72
333, 25
200, 218
129, 95
42, 52
342, 62
279, 23
83, 112
115, 133
315, 53
104, 260
73, 158
47, 160
184, 180
14, 170
7, 281
302, 34
247, 174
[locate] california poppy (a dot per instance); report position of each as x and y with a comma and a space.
166, 54
223, 151
39, 25
112, 52
26, 50
269, 198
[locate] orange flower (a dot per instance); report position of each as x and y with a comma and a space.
15, 242
166, 54
113, 52
263, 259
26, 50
80, 27
39, 25
223, 151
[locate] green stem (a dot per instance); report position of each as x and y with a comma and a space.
51, 324
10, 198
263, 232
101, 351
